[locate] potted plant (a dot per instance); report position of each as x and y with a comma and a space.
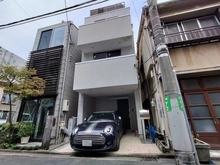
203, 149
25, 131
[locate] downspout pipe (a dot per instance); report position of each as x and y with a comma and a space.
184, 148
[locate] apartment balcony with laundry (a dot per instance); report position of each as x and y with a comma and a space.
107, 76
192, 32
106, 29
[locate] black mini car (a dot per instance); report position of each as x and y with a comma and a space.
100, 132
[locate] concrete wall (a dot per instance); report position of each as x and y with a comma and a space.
108, 15
105, 73
105, 30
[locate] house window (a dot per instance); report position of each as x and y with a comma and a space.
191, 29
5, 99
108, 54
51, 38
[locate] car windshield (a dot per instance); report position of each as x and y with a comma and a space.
102, 116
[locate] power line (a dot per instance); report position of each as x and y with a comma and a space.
50, 14
24, 11
135, 10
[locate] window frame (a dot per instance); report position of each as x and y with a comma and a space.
51, 36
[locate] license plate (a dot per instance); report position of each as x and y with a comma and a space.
87, 143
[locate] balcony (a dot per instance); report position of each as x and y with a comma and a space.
110, 76
108, 34
193, 37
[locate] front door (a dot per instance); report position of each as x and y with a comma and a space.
202, 101
123, 110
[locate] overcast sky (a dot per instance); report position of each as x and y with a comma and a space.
19, 39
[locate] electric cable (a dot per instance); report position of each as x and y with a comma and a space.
50, 14
24, 11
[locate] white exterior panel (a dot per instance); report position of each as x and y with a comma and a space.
106, 73
106, 35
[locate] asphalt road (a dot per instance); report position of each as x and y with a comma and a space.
44, 159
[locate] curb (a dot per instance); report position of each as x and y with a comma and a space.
109, 154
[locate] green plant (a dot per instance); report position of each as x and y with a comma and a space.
6, 136
25, 129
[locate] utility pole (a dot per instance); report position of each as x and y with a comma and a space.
183, 145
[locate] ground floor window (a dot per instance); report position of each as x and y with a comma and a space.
36, 111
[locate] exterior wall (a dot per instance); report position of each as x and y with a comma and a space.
104, 104
138, 106
38, 35
108, 78
132, 111
147, 47
9, 58
107, 15
196, 58
189, 9
123, 73
124, 51
89, 106
99, 31
71, 55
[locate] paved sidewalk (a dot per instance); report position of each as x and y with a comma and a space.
129, 145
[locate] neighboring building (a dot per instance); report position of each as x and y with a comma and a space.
54, 55
107, 78
192, 32
8, 58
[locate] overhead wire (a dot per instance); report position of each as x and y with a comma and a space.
50, 14
24, 11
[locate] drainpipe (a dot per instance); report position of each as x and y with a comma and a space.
63, 85
184, 148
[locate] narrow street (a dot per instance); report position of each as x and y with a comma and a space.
39, 159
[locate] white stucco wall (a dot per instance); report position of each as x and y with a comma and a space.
107, 15
105, 30
115, 71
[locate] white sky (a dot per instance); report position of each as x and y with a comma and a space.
19, 39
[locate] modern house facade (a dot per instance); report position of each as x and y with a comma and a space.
192, 34
106, 78
53, 56
8, 58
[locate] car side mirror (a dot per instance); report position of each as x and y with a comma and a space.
119, 117
85, 119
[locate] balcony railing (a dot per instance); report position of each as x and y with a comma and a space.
193, 37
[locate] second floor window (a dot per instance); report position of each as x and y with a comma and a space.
192, 29
108, 54
51, 38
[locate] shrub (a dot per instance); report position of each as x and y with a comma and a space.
7, 136
25, 129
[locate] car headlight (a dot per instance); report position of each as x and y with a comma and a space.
75, 130
108, 130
